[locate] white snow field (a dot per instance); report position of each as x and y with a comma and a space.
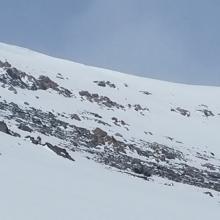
36, 184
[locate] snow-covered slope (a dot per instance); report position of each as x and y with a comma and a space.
87, 143
36, 184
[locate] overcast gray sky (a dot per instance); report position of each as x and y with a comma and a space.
174, 40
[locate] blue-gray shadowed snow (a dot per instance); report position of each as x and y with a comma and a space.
171, 40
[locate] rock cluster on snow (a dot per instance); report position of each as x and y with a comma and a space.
101, 100
15, 78
105, 83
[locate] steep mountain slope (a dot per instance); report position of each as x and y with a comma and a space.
58, 118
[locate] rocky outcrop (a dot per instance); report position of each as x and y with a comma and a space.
139, 108
4, 127
206, 112
5, 64
45, 83
59, 151
120, 123
75, 116
139, 168
105, 83
100, 100
159, 159
16, 78
146, 92
24, 127
182, 111
36, 141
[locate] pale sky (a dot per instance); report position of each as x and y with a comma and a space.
174, 40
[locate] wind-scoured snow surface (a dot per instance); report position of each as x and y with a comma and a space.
80, 142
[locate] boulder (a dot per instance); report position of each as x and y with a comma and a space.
24, 127
75, 116
99, 132
46, 83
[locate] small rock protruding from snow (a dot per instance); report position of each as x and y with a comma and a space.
182, 111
